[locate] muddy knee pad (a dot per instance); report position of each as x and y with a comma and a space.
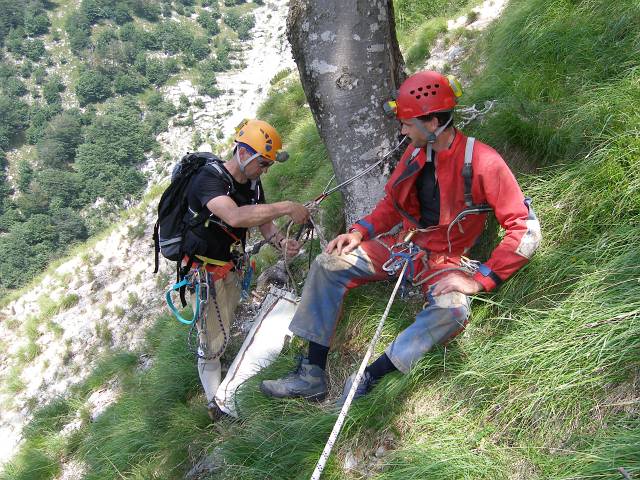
443, 318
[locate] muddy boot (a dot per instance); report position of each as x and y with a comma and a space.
214, 411
365, 386
306, 381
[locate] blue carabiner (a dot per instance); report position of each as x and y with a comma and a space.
173, 308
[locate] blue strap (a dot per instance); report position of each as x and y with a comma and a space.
246, 281
173, 308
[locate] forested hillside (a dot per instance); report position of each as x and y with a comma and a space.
80, 110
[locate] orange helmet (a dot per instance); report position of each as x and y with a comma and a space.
262, 138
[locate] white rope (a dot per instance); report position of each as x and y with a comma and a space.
469, 114
324, 456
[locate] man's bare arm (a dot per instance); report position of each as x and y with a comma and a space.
247, 216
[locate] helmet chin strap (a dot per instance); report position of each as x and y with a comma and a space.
242, 165
431, 136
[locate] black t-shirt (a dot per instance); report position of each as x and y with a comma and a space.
428, 195
213, 240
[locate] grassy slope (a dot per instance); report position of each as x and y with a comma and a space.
543, 384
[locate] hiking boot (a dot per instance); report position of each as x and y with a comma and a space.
306, 381
214, 411
365, 386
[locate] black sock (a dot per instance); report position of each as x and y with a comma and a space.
380, 367
318, 355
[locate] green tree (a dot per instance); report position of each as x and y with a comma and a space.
52, 88
92, 86
129, 82
25, 175
14, 87
13, 119
63, 134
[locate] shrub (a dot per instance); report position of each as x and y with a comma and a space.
232, 19
129, 82
156, 71
26, 69
147, 9
68, 301
209, 22
34, 49
63, 131
92, 86
247, 22
36, 22
39, 75
133, 300
14, 87
52, 88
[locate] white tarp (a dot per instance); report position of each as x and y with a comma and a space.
261, 347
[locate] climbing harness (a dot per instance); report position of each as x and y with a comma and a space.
470, 207
201, 283
402, 255
324, 456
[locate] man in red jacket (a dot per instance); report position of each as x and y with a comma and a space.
442, 189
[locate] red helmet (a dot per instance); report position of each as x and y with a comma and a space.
426, 92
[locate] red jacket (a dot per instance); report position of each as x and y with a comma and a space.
493, 184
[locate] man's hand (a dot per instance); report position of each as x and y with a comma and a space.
298, 212
290, 246
344, 243
457, 282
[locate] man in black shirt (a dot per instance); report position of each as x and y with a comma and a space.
231, 197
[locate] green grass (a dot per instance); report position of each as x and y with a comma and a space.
154, 425
68, 301
544, 382
425, 37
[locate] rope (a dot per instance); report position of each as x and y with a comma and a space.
469, 114
324, 456
326, 192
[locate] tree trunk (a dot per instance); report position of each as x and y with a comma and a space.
350, 64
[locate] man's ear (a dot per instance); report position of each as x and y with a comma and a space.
433, 124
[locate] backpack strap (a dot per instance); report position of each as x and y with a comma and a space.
216, 164
156, 244
467, 171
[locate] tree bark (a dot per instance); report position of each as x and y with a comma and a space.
350, 64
